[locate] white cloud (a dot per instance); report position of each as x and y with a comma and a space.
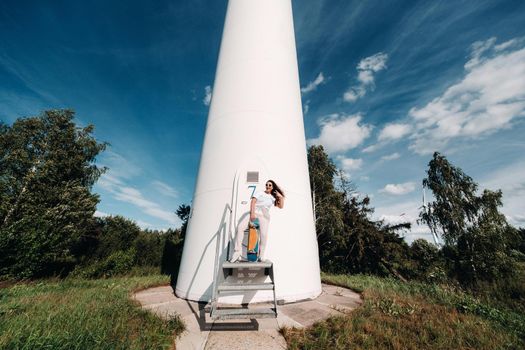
366, 70
114, 182
135, 197
366, 77
349, 164
146, 225
517, 220
16, 105
396, 219
406, 211
109, 182
100, 214
312, 86
392, 156
508, 44
207, 95
165, 189
399, 189
394, 131
118, 166
30, 80
340, 133
306, 107
142, 224
511, 181
420, 232
390, 133
371, 148
353, 94
477, 50
374, 63
489, 98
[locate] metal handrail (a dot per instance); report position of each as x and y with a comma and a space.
235, 195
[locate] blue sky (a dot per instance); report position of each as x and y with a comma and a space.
384, 84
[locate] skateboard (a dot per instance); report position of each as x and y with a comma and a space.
253, 240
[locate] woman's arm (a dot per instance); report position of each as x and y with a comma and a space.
280, 200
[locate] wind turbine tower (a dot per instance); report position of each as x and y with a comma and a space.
254, 132
426, 208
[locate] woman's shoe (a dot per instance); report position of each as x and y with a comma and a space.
236, 257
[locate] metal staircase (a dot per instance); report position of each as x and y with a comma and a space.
232, 284
233, 278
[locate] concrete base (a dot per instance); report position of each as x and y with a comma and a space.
204, 333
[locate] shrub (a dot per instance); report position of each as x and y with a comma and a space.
119, 262
149, 246
427, 262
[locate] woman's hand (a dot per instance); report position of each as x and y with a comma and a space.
280, 200
252, 217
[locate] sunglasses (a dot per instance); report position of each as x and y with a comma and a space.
269, 185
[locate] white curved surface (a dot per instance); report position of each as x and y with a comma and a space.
255, 121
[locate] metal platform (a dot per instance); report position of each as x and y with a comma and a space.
246, 264
218, 313
229, 314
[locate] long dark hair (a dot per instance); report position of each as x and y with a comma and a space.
275, 188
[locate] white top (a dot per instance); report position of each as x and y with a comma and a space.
263, 203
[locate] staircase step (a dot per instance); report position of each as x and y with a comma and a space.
230, 314
245, 286
246, 264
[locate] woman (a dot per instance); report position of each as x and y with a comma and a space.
259, 208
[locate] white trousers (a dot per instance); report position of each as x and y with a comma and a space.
264, 222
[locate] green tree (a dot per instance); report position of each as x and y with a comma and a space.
149, 246
349, 241
46, 173
371, 246
174, 243
183, 212
115, 247
475, 232
427, 261
327, 204
520, 240
117, 234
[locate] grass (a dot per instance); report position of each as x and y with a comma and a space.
398, 315
508, 292
79, 313
82, 314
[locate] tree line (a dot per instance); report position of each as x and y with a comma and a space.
47, 222
480, 250
48, 227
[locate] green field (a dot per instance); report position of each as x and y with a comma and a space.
99, 314
82, 314
398, 315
